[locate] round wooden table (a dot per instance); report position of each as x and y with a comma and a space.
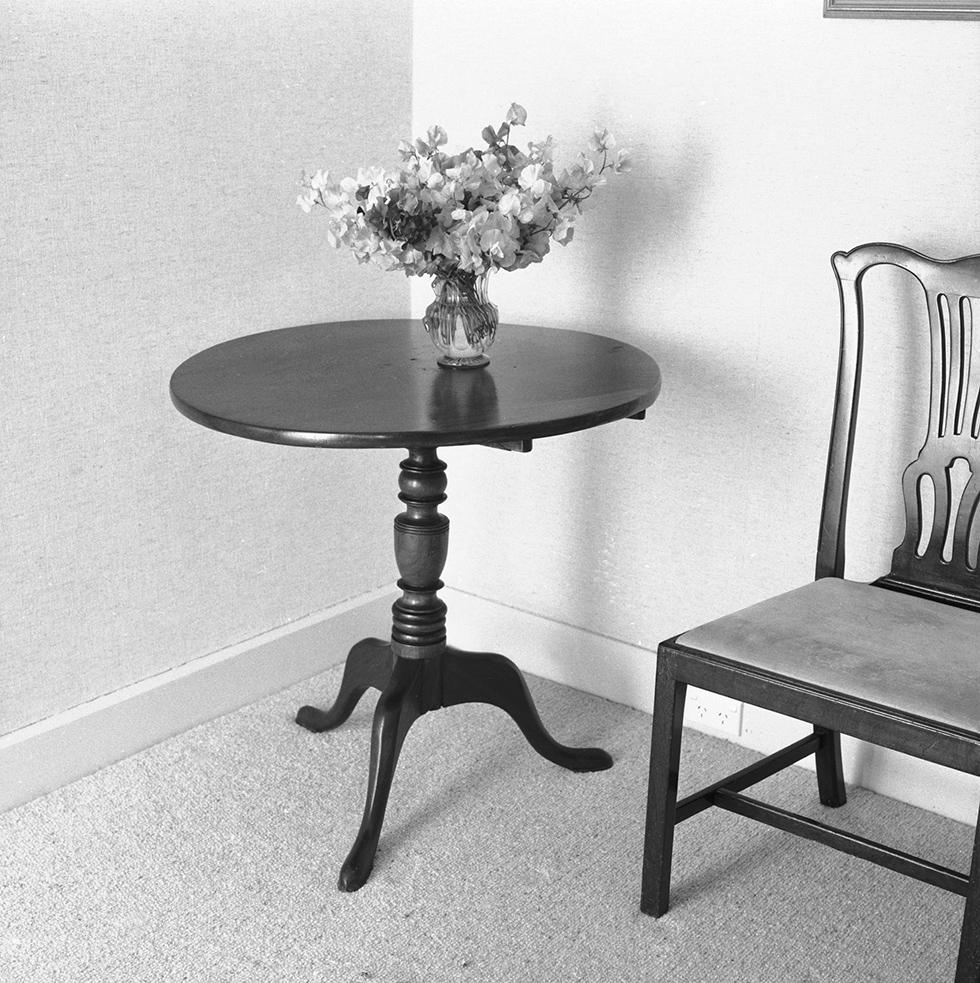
377, 384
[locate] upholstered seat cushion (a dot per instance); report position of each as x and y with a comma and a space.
906, 653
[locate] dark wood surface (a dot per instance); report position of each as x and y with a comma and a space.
921, 563
894, 663
416, 671
376, 384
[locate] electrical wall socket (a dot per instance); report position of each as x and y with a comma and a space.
712, 713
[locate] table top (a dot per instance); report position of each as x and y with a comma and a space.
377, 384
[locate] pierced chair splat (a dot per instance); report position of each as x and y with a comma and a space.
895, 663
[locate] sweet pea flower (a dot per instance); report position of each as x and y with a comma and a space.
370, 175
320, 181
602, 139
542, 151
564, 230
437, 136
499, 247
510, 203
531, 179
492, 167
440, 243
497, 208
516, 115
537, 246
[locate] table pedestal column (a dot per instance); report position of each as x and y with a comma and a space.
416, 671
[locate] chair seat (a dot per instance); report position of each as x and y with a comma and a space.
917, 657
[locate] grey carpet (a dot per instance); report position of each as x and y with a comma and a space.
214, 857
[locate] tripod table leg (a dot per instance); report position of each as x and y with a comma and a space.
400, 705
369, 664
485, 677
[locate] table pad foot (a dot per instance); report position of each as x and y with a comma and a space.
369, 665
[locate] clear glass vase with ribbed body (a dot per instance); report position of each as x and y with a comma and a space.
461, 320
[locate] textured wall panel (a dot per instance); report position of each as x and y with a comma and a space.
149, 161
765, 138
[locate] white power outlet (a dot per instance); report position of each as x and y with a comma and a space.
712, 713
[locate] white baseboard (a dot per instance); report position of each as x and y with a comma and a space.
580, 659
43, 756
625, 673
53, 752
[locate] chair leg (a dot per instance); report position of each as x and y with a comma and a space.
968, 963
830, 769
665, 753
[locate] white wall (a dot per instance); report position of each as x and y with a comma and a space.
149, 159
150, 154
765, 138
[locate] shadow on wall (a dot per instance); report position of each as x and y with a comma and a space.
643, 224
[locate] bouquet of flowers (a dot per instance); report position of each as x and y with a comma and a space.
470, 212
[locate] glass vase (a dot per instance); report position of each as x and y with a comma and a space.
461, 321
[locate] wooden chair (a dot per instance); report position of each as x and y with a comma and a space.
895, 662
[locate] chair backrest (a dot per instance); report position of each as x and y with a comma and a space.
938, 555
